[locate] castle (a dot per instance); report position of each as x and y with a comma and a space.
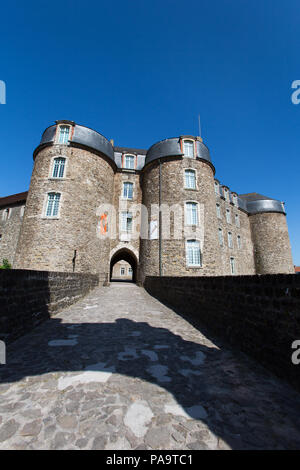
92, 204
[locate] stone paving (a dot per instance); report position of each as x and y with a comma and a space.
119, 370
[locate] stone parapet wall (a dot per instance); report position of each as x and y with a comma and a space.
29, 297
260, 315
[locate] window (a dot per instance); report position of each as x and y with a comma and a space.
122, 271
232, 265
221, 237
234, 198
127, 190
129, 270
53, 205
129, 162
190, 179
22, 211
237, 220
218, 211
126, 222
64, 132
226, 193
0, 237
239, 242
217, 191
6, 214
228, 216
230, 240
191, 213
193, 255
188, 148
58, 167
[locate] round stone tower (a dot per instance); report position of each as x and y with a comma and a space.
182, 238
73, 175
272, 249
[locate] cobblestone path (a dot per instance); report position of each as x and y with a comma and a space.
119, 370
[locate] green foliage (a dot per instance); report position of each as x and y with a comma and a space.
5, 264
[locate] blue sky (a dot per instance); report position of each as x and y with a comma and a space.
141, 71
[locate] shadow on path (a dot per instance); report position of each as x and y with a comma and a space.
246, 408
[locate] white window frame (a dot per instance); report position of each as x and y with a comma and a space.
230, 240
62, 157
122, 273
187, 213
226, 195
22, 210
188, 141
6, 214
59, 128
232, 266
234, 199
221, 237
45, 210
125, 196
228, 216
190, 170
217, 188
123, 228
218, 209
132, 159
188, 264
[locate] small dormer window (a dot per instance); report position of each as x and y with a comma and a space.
64, 134
188, 148
128, 162
226, 193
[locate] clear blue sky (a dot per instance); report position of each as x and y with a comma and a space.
139, 71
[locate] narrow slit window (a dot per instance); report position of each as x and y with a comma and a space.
230, 240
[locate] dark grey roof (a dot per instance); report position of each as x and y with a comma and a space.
130, 150
255, 197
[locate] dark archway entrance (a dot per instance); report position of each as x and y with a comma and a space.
124, 255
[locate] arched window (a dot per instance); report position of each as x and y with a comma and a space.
58, 167
127, 190
218, 211
190, 179
228, 216
232, 265
193, 254
191, 213
52, 208
128, 162
188, 148
64, 133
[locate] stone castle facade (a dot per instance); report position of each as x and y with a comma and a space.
92, 204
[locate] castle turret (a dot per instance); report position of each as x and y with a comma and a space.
182, 239
271, 244
73, 175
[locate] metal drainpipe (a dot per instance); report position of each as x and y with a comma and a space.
160, 223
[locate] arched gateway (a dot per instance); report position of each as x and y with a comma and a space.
125, 255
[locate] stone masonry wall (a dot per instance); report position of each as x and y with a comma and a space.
272, 249
10, 231
29, 297
260, 315
174, 193
49, 243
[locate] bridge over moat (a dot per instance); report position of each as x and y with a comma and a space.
120, 370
